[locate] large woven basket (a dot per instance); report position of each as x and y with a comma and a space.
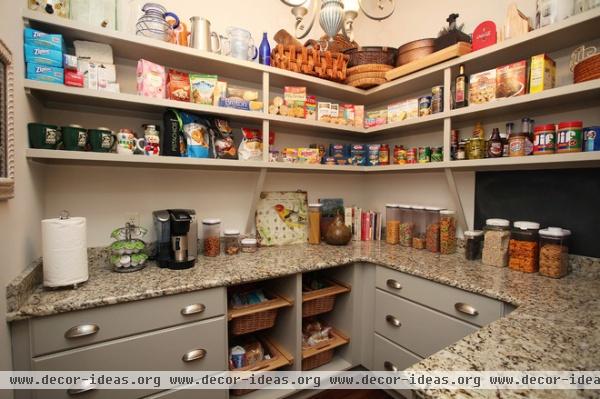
372, 55
258, 317
313, 357
588, 69
317, 360
310, 61
323, 300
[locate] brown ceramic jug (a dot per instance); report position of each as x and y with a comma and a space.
338, 233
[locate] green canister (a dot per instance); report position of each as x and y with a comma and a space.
569, 137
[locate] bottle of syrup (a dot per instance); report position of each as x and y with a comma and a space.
461, 88
495, 147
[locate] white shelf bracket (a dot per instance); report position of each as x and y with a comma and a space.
260, 182
460, 212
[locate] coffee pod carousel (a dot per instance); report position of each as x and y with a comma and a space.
128, 253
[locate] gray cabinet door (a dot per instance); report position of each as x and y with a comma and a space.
458, 303
415, 327
49, 334
161, 350
388, 356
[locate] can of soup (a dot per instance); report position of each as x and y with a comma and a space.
437, 99
425, 106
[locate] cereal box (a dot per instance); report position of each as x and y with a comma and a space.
324, 112
511, 80
542, 75
482, 87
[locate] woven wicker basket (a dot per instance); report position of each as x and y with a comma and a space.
313, 357
588, 69
317, 360
310, 61
372, 55
258, 317
323, 300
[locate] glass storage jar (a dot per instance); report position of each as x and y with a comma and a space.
231, 242
211, 233
432, 230
249, 245
447, 232
407, 226
495, 242
392, 223
554, 252
419, 219
473, 244
523, 247
314, 223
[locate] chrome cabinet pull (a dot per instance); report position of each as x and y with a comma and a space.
193, 309
195, 354
82, 331
466, 309
83, 387
393, 321
394, 284
389, 366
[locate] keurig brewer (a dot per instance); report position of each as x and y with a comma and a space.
177, 238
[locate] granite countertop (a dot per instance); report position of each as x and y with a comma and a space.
555, 327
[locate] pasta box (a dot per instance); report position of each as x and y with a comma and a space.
511, 80
45, 73
43, 56
542, 74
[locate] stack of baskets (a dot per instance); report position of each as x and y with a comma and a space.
367, 66
588, 69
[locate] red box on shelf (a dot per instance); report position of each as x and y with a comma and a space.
73, 78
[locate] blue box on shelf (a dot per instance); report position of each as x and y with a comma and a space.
45, 73
43, 56
591, 137
41, 39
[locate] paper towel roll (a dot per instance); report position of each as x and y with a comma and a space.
64, 250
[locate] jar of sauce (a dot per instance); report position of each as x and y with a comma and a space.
384, 154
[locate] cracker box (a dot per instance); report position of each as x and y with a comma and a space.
396, 112
482, 87
376, 118
359, 115
324, 112
542, 74
412, 108
511, 80
291, 94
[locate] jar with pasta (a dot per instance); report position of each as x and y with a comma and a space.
419, 221
314, 223
554, 252
392, 223
211, 229
432, 233
523, 247
495, 242
407, 226
447, 232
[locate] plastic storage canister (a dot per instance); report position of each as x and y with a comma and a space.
231, 242
407, 226
211, 231
249, 245
392, 223
314, 223
419, 219
473, 244
495, 242
447, 232
523, 247
432, 229
554, 252
544, 141
569, 137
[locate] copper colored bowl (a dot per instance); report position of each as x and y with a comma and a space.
412, 51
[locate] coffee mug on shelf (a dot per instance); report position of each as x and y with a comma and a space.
150, 144
102, 139
75, 138
42, 136
126, 142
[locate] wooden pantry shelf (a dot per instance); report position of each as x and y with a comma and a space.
532, 162
312, 125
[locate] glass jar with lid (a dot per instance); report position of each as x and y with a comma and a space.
419, 219
496, 237
392, 223
473, 244
407, 226
523, 247
432, 233
231, 242
314, 223
554, 252
447, 232
211, 232
249, 245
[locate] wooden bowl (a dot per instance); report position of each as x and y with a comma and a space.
414, 50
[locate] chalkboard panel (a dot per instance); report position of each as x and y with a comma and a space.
568, 198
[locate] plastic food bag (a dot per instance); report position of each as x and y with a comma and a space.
223, 144
251, 147
197, 136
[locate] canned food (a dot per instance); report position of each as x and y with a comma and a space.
437, 155
399, 155
476, 148
425, 106
437, 99
569, 137
544, 141
424, 154
412, 155
384, 154
591, 136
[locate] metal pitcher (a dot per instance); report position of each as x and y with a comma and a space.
202, 37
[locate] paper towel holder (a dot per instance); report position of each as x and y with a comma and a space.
64, 214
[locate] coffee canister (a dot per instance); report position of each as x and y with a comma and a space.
569, 137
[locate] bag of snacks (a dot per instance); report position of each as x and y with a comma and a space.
222, 139
197, 136
178, 85
251, 146
314, 332
203, 88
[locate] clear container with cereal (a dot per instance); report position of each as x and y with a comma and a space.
554, 252
473, 244
495, 242
392, 223
407, 226
447, 232
314, 223
211, 229
420, 220
231, 242
523, 247
432, 233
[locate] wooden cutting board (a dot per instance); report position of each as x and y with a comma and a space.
454, 51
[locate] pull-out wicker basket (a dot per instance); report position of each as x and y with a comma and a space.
310, 61
279, 358
258, 317
322, 301
316, 356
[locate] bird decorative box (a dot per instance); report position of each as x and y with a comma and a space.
484, 35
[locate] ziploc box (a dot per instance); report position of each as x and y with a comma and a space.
45, 73
43, 56
45, 40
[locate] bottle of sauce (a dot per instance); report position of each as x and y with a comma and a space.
509, 130
461, 87
478, 132
495, 147
384, 154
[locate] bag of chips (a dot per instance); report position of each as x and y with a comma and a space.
222, 139
197, 136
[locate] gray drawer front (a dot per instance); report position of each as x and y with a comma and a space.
191, 394
386, 351
422, 330
439, 296
48, 333
161, 350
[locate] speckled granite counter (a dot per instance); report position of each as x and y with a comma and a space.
556, 325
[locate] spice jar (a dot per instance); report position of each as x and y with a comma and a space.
407, 226
523, 247
231, 242
495, 242
517, 143
473, 244
314, 223
447, 232
432, 233
249, 245
554, 252
392, 223
419, 220
211, 229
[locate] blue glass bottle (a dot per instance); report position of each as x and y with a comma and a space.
264, 51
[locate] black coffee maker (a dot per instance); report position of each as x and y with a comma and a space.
177, 238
